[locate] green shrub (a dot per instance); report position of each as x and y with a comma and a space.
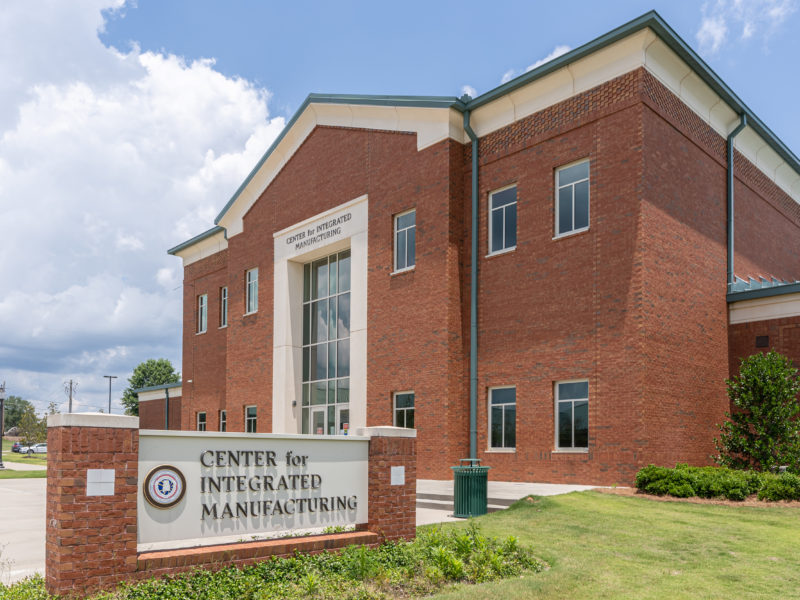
763, 431
408, 569
785, 486
704, 482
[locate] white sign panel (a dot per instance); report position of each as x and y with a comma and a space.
199, 484
326, 229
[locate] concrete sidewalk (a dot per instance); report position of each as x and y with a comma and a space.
435, 497
21, 466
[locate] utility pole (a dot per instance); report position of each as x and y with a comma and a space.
69, 389
109, 377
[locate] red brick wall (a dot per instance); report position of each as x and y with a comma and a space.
784, 337
151, 414
91, 540
392, 508
205, 354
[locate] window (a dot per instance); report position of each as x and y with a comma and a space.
503, 417
572, 198
503, 220
252, 291
250, 419
201, 421
223, 420
404, 409
202, 313
405, 228
572, 415
326, 345
223, 306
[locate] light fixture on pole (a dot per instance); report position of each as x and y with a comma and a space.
109, 377
2, 421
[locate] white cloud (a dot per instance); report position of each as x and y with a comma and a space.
744, 19
557, 51
468, 89
107, 159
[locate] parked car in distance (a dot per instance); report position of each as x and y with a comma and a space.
16, 446
35, 449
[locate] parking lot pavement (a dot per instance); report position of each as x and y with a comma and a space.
22, 528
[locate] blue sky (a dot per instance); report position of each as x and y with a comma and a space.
125, 127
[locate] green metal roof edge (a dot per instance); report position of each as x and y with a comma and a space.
163, 386
650, 20
766, 292
653, 21
195, 239
366, 100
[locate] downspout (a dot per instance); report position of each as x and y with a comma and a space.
733, 134
473, 299
166, 409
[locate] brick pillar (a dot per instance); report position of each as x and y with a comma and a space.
91, 516
392, 507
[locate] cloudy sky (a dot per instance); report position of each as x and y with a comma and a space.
125, 127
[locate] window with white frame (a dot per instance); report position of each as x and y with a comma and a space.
572, 198
405, 229
572, 415
202, 313
250, 419
223, 420
404, 409
503, 417
223, 306
251, 294
503, 220
201, 421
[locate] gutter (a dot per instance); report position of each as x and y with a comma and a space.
742, 124
473, 297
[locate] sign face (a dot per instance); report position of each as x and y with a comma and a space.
199, 484
323, 230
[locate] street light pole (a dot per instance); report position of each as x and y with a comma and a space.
109, 377
2, 421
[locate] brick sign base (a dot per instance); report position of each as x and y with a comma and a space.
91, 540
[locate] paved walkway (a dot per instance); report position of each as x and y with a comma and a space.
21, 466
22, 514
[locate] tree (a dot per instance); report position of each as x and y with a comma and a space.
763, 431
151, 372
14, 407
32, 429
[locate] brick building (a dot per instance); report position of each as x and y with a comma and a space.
336, 289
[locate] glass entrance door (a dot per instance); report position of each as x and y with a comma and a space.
318, 420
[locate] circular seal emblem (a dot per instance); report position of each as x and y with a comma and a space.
164, 486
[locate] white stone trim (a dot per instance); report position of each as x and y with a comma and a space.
387, 431
92, 420
287, 353
203, 249
174, 392
432, 125
763, 309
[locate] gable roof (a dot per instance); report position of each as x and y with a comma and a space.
705, 93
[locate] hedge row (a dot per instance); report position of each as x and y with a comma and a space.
717, 482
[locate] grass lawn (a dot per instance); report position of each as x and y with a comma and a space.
9, 456
604, 546
10, 474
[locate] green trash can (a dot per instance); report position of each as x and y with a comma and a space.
470, 488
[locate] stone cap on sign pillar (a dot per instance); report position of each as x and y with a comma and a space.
92, 420
387, 431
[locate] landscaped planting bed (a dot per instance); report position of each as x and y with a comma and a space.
717, 482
